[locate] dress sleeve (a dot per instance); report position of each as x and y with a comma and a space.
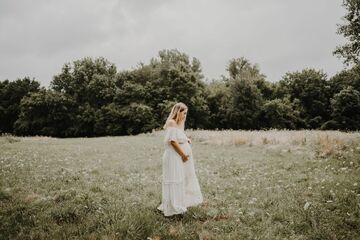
170, 135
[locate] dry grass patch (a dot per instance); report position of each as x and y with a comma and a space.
324, 143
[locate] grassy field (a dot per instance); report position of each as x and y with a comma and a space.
256, 185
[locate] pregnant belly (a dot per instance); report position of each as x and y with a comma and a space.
186, 148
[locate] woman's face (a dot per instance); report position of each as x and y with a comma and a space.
183, 115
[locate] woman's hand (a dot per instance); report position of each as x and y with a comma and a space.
185, 158
178, 149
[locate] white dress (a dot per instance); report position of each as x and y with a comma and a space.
180, 186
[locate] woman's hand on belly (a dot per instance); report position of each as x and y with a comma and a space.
185, 158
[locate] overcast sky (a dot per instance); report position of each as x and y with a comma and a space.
38, 37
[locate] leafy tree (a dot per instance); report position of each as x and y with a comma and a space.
87, 80
103, 95
91, 83
138, 118
345, 78
242, 67
11, 93
171, 77
246, 104
180, 80
47, 113
346, 109
84, 121
280, 114
133, 119
266, 88
131, 87
350, 29
109, 120
312, 91
101, 90
219, 102
246, 97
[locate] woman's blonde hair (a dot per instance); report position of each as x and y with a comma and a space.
174, 114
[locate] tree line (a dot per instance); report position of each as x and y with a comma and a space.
89, 97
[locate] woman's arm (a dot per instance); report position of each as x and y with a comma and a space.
179, 150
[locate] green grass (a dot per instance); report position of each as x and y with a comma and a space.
109, 188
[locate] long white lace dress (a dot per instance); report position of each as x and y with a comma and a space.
180, 186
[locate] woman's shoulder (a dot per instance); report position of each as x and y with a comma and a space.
171, 124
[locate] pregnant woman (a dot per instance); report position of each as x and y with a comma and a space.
180, 186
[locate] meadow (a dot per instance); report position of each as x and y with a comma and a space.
256, 185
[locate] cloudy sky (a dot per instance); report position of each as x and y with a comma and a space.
38, 37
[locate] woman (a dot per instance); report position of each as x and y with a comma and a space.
180, 186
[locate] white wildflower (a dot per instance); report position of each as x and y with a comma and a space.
306, 206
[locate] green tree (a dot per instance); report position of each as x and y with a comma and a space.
115, 120
348, 77
138, 118
84, 121
47, 113
311, 90
219, 102
170, 77
246, 104
246, 97
280, 114
266, 88
87, 80
346, 109
350, 29
242, 67
109, 120
91, 83
132, 87
11, 93
180, 80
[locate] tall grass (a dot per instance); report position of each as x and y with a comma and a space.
256, 185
